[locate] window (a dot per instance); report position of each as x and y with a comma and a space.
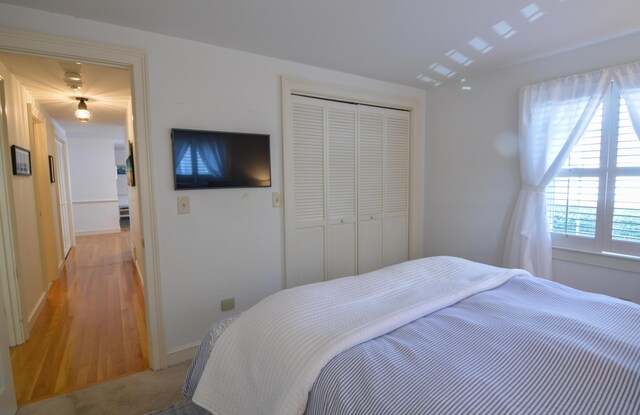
594, 202
192, 162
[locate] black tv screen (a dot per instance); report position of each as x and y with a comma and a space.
213, 159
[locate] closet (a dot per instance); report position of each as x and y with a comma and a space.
346, 188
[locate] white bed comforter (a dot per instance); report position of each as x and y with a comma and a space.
267, 361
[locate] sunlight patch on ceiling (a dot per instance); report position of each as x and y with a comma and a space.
442, 70
532, 12
459, 58
503, 29
480, 45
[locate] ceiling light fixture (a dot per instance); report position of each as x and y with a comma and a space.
82, 113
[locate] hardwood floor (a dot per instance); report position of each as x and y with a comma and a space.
92, 327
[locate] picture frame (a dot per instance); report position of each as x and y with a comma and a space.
52, 170
21, 161
131, 174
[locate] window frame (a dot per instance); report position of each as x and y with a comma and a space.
607, 172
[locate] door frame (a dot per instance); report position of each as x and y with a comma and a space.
62, 170
10, 288
10, 298
62, 48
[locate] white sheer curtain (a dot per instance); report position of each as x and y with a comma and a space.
628, 79
553, 116
213, 155
180, 148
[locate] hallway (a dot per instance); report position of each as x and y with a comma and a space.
92, 327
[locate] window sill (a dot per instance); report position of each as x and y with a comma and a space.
599, 259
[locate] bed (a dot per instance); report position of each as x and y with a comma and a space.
438, 335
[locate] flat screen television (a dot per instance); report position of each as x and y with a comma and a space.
215, 159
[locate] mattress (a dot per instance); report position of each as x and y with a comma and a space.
527, 346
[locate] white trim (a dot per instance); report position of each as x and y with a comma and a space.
292, 85
63, 164
79, 202
98, 232
140, 278
11, 290
61, 48
182, 353
58, 132
598, 259
35, 313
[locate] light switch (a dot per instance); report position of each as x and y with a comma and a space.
184, 205
277, 199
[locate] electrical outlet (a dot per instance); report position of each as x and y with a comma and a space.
228, 304
184, 205
276, 197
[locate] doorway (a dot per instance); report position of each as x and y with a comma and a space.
135, 61
89, 325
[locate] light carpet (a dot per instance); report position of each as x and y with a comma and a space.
137, 394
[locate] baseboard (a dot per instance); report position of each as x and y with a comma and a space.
98, 232
182, 353
140, 277
33, 316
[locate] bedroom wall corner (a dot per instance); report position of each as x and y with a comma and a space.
473, 175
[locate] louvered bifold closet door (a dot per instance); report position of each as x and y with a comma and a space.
346, 189
371, 130
341, 189
396, 188
305, 238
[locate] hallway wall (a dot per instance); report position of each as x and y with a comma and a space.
29, 268
93, 180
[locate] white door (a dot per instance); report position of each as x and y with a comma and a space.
370, 188
321, 232
62, 191
341, 189
395, 246
305, 205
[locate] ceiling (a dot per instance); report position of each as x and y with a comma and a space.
414, 42
108, 89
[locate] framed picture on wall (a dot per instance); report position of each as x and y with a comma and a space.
52, 171
21, 161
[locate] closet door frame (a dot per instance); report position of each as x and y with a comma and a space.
295, 86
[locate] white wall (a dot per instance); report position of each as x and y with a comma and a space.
29, 268
473, 169
121, 181
93, 180
231, 245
